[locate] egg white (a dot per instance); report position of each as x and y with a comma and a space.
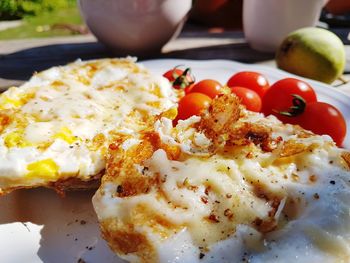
312, 216
63, 118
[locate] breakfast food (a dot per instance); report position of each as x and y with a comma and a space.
55, 129
228, 186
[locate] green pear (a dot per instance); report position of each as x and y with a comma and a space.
312, 52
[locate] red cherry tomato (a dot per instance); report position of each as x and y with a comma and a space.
249, 98
209, 87
250, 80
279, 97
180, 79
192, 104
173, 74
189, 88
323, 118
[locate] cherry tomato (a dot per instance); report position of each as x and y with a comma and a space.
209, 87
173, 74
189, 88
279, 98
192, 104
323, 118
249, 98
250, 80
180, 79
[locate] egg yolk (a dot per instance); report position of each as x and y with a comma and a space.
45, 169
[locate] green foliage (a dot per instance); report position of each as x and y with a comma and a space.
40, 25
14, 9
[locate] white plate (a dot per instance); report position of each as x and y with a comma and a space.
221, 70
39, 226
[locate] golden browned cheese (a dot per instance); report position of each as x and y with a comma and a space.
218, 124
131, 181
346, 158
209, 176
122, 236
222, 113
4, 120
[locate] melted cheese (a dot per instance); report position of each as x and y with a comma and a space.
241, 204
59, 113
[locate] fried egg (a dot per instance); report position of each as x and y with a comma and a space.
228, 186
55, 129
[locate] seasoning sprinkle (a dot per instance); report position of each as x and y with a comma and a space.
119, 189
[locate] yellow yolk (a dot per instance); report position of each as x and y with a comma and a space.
66, 134
170, 114
16, 139
46, 169
7, 102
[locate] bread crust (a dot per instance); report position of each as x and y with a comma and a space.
64, 185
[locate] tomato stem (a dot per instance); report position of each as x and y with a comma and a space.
298, 107
183, 81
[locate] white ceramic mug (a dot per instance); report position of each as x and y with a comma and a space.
133, 27
267, 22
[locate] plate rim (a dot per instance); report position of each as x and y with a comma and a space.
339, 92
322, 89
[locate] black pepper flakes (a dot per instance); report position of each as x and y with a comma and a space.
144, 170
201, 255
228, 213
214, 218
332, 182
207, 189
119, 189
204, 199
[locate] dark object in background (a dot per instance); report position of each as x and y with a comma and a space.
218, 13
338, 7
340, 20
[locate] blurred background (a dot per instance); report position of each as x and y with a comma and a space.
47, 18
38, 34
39, 18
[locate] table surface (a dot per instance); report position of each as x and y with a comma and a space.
19, 59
